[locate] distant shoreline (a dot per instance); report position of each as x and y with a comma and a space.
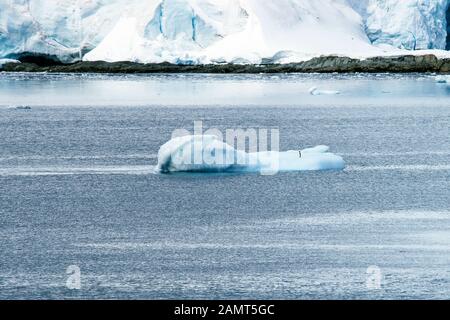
325, 64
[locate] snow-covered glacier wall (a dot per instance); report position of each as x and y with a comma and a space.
213, 31
239, 31
63, 28
408, 24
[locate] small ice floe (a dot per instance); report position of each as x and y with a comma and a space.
208, 154
316, 92
442, 79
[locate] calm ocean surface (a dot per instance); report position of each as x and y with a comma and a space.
77, 188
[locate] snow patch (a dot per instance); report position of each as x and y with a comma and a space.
5, 61
442, 79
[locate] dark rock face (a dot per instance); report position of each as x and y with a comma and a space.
42, 60
326, 64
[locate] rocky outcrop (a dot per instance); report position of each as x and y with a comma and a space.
326, 64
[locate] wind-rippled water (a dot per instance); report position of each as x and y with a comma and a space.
77, 187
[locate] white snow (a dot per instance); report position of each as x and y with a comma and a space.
219, 31
207, 153
442, 79
5, 61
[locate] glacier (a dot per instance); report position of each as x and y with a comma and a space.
209, 154
221, 31
63, 29
408, 24
237, 31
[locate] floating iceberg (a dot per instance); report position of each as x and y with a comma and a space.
206, 154
316, 92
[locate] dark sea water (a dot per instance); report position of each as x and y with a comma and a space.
77, 188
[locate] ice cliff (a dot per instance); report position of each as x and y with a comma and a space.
408, 24
215, 31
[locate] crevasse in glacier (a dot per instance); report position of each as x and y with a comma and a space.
211, 31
